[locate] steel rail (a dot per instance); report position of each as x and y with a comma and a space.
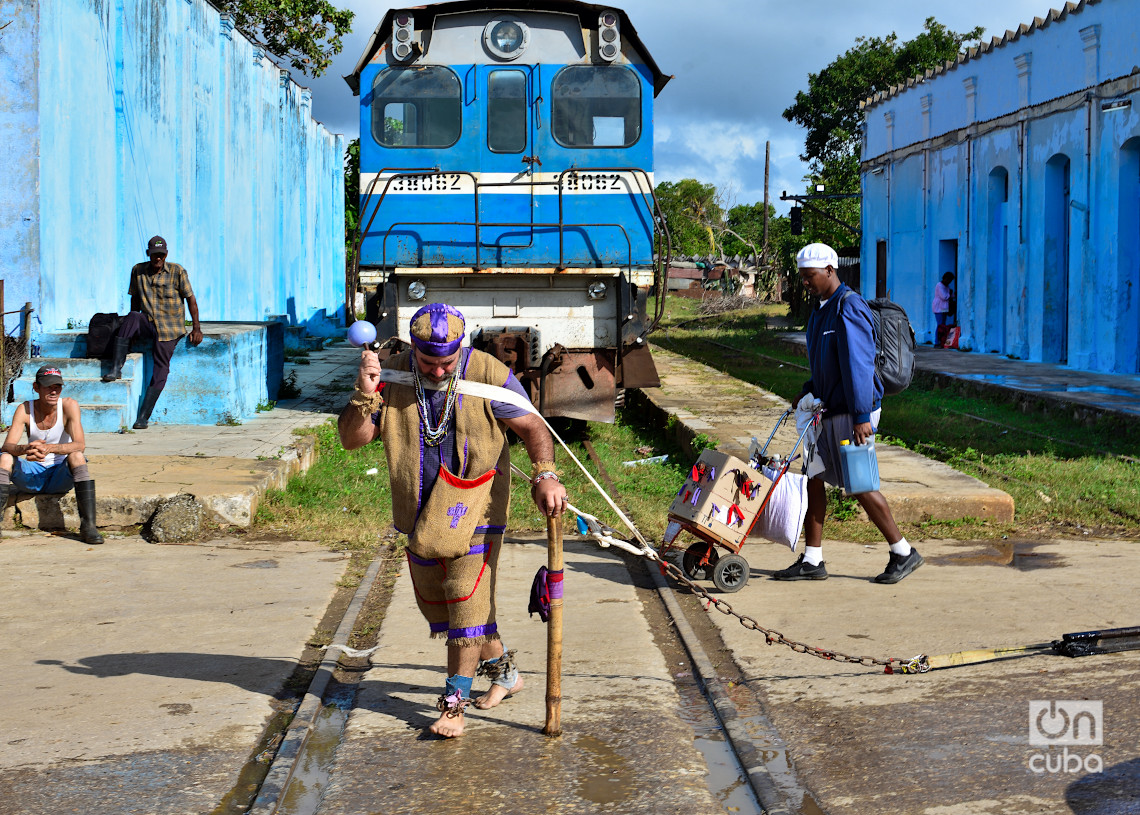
724, 709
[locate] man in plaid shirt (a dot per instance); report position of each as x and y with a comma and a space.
157, 290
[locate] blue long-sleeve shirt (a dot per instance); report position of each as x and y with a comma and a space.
841, 354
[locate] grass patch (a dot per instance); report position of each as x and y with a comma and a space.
1062, 476
335, 501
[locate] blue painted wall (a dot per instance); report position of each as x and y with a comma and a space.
1018, 167
127, 118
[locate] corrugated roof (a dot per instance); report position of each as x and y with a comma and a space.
1023, 30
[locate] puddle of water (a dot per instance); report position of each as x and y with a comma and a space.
726, 778
1038, 385
313, 772
256, 564
1018, 554
607, 785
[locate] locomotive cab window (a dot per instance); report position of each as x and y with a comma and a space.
596, 106
417, 107
506, 111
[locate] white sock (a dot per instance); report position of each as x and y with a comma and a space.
813, 555
900, 548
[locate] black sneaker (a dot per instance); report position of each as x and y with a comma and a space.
801, 571
899, 566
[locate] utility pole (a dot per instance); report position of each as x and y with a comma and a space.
767, 159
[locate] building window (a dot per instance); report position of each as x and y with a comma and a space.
596, 106
506, 112
417, 107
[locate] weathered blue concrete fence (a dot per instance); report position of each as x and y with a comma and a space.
121, 119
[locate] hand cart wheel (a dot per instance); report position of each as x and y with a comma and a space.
730, 573
691, 562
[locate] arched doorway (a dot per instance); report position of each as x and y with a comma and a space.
1055, 282
997, 254
1128, 270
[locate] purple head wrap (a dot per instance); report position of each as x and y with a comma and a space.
437, 329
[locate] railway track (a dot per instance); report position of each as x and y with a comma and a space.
729, 728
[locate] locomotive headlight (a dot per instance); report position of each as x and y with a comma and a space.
596, 290
506, 39
417, 290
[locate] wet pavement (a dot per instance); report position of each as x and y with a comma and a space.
956, 740
141, 677
625, 747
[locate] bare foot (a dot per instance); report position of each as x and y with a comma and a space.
496, 694
448, 726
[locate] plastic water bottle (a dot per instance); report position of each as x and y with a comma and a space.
860, 467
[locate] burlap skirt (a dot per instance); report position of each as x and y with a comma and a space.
457, 595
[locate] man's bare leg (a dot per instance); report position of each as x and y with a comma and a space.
462, 660
493, 649
879, 513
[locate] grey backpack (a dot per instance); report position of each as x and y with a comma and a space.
894, 344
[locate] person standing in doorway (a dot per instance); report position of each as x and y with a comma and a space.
157, 291
941, 307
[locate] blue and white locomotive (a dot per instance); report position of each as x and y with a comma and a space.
506, 163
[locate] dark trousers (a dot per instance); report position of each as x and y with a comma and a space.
138, 325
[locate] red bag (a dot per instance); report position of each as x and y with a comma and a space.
952, 337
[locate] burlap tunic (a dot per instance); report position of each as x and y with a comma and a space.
455, 594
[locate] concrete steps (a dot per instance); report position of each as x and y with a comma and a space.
236, 368
105, 407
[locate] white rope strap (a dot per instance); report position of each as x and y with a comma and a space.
497, 394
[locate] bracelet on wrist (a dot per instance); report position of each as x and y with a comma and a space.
544, 475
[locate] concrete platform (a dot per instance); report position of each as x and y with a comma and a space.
703, 400
957, 740
228, 468
139, 678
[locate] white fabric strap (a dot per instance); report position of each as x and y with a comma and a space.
497, 394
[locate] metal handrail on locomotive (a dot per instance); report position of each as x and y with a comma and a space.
506, 168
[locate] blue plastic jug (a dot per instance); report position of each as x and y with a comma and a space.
860, 467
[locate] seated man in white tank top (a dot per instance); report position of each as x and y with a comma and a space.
53, 460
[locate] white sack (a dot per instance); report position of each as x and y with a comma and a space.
782, 520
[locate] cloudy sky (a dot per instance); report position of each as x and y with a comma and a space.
737, 64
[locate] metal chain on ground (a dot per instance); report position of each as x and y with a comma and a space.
916, 664
604, 537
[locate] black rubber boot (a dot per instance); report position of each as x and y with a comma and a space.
5, 491
85, 499
152, 394
122, 346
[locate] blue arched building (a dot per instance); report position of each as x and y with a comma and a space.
1017, 168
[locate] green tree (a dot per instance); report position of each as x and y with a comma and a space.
351, 193
829, 111
305, 33
690, 209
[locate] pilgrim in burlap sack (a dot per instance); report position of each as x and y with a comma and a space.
448, 519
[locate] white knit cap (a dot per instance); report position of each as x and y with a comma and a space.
817, 256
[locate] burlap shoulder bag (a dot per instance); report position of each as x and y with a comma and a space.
447, 520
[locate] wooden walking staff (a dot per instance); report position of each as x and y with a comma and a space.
553, 725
